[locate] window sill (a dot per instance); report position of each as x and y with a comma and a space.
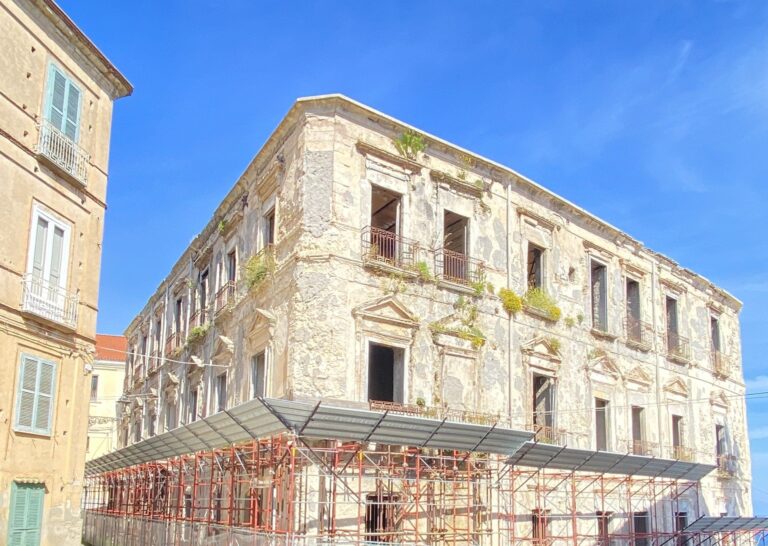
384, 267
639, 345
603, 335
678, 359
456, 287
538, 313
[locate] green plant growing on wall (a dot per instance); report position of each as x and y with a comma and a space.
409, 144
595, 353
222, 225
421, 402
538, 299
197, 334
422, 269
580, 318
570, 322
511, 302
479, 184
461, 175
258, 268
554, 344
490, 288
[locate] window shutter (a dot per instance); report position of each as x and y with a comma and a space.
57, 249
56, 103
44, 397
26, 514
38, 258
72, 120
25, 409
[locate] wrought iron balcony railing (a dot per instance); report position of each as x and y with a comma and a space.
682, 453
439, 412
173, 342
642, 447
678, 346
225, 296
720, 364
458, 268
384, 247
199, 317
546, 434
638, 332
49, 301
63, 152
726, 465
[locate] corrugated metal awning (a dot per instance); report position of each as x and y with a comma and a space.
539, 455
725, 524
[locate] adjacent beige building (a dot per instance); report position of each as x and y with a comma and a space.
107, 385
361, 266
56, 95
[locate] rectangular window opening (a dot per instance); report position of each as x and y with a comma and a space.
258, 374
677, 436
640, 528
385, 373
634, 326
539, 527
455, 247
381, 517
599, 297
638, 431
385, 243
714, 328
232, 266
681, 522
601, 424
543, 402
221, 392
94, 388
603, 528
673, 336
269, 228
192, 409
535, 269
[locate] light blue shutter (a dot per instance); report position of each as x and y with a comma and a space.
35, 399
26, 514
63, 103
41, 240
57, 250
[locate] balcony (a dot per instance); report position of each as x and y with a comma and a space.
225, 296
53, 303
439, 412
173, 343
63, 153
199, 317
387, 249
721, 366
678, 347
458, 268
546, 434
726, 466
642, 447
638, 333
682, 453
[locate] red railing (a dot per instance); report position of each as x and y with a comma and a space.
458, 268
225, 296
381, 246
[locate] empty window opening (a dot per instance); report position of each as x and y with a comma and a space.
187, 505
535, 270
677, 436
203, 295
158, 333
385, 373
177, 316
151, 425
137, 432
634, 331
681, 522
380, 517
601, 424
192, 406
455, 246
539, 527
603, 529
232, 266
385, 223
721, 448
221, 392
599, 297
638, 431
673, 339
543, 407
258, 374
269, 228
640, 528
714, 329
170, 416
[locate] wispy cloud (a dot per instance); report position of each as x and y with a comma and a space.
757, 384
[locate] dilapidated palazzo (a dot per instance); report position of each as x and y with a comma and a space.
382, 337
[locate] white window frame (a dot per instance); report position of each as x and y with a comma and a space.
37, 213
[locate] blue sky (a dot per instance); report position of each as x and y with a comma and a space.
652, 115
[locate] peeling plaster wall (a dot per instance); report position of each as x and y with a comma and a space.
328, 305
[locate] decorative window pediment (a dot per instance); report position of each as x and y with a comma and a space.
676, 387
719, 400
638, 378
262, 321
223, 350
603, 368
387, 310
542, 353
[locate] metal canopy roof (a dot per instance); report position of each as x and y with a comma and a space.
264, 417
727, 524
540, 455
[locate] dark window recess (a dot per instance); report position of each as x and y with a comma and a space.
673, 336
203, 296
543, 407
455, 246
681, 522
385, 224
603, 529
380, 517
601, 424
258, 374
638, 434
232, 266
677, 432
269, 228
177, 316
385, 373
640, 528
721, 448
535, 266
714, 328
634, 329
192, 406
599, 297
539, 527
221, 392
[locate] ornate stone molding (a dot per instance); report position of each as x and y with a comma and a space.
405, 163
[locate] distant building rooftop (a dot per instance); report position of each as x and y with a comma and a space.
109, 347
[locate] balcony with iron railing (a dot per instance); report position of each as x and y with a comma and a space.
638, 333
63, 153
48, 301
547, 434
198, 318
458, 268
439, 412
173, 342
642, 447
726, 466
678, 347
683, 453
387, 249
225, 296
721, 366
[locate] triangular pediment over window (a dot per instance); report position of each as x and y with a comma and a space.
718, 399
387, 310
677, 387
223, 349
604, 368
542, 353
261, 321
638, 378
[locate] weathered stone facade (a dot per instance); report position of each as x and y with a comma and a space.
612, 323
